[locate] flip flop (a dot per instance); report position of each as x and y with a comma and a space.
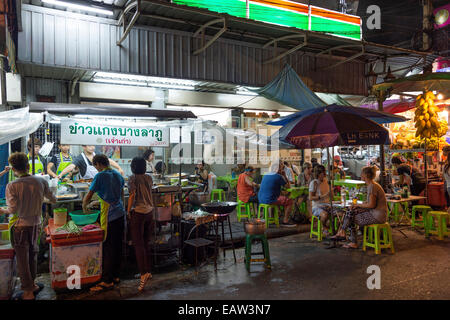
41, 286
102, 286
347, 246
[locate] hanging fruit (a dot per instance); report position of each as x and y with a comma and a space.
426, 117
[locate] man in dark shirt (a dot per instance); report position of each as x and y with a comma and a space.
409, 176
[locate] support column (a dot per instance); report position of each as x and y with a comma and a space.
382, 164
3, 98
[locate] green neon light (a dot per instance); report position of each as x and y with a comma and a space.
232, 7
278, 16
336, 27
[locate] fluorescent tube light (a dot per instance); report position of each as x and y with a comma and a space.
125, 82
170, 86
79, 7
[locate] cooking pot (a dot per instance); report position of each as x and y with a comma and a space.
219, 207
255, 226
198, 198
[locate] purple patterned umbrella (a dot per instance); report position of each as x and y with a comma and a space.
328, 129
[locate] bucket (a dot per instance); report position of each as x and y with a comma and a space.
60, 216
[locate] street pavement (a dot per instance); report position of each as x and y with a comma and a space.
302, 268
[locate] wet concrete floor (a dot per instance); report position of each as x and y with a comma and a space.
305, 269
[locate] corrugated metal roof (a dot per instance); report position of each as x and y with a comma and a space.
171, 16
116, 5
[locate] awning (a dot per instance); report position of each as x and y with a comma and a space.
18, 123
72, 109
287, 88
331, 98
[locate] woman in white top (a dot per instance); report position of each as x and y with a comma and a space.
319, 194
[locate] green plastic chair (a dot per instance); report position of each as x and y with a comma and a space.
244, 210
423, 210
440, 229
217, 195
372, 237
394, 212
266, 208
248, 250
317, 229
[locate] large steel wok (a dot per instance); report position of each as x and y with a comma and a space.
219, 207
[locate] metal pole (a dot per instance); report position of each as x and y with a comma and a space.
382, 164
2, 85
331, 191
426, 172
32, 153
179, 178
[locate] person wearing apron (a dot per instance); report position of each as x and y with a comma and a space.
38, 163
24, 199
60, 161
82, 162
108, 186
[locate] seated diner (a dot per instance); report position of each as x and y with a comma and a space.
374, 211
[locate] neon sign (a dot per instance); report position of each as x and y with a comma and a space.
286, 13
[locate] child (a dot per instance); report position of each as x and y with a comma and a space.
60, 161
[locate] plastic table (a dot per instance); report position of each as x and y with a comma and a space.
349, 183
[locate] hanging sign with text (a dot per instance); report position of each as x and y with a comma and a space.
95, 133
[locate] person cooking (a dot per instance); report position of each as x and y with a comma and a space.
149, 156
202, 173
60, 162
39, 163
108, 185
84, 164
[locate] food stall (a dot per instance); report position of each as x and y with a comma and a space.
420, 141
128, 130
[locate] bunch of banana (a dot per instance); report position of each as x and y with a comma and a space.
426, 118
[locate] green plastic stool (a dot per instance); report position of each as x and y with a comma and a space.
372, 237
266, 208
303, 207
247, 211
441, 229
422, 209
318, 231
248, 250
395, 211
217, 195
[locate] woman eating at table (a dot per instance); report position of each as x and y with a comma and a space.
319, 194
246, 188
374, 211
409, 176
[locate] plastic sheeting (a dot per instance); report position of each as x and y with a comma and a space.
287, 88
331, 98
18, 123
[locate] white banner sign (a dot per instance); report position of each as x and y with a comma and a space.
94, 133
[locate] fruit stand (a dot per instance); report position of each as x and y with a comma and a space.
424, 134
